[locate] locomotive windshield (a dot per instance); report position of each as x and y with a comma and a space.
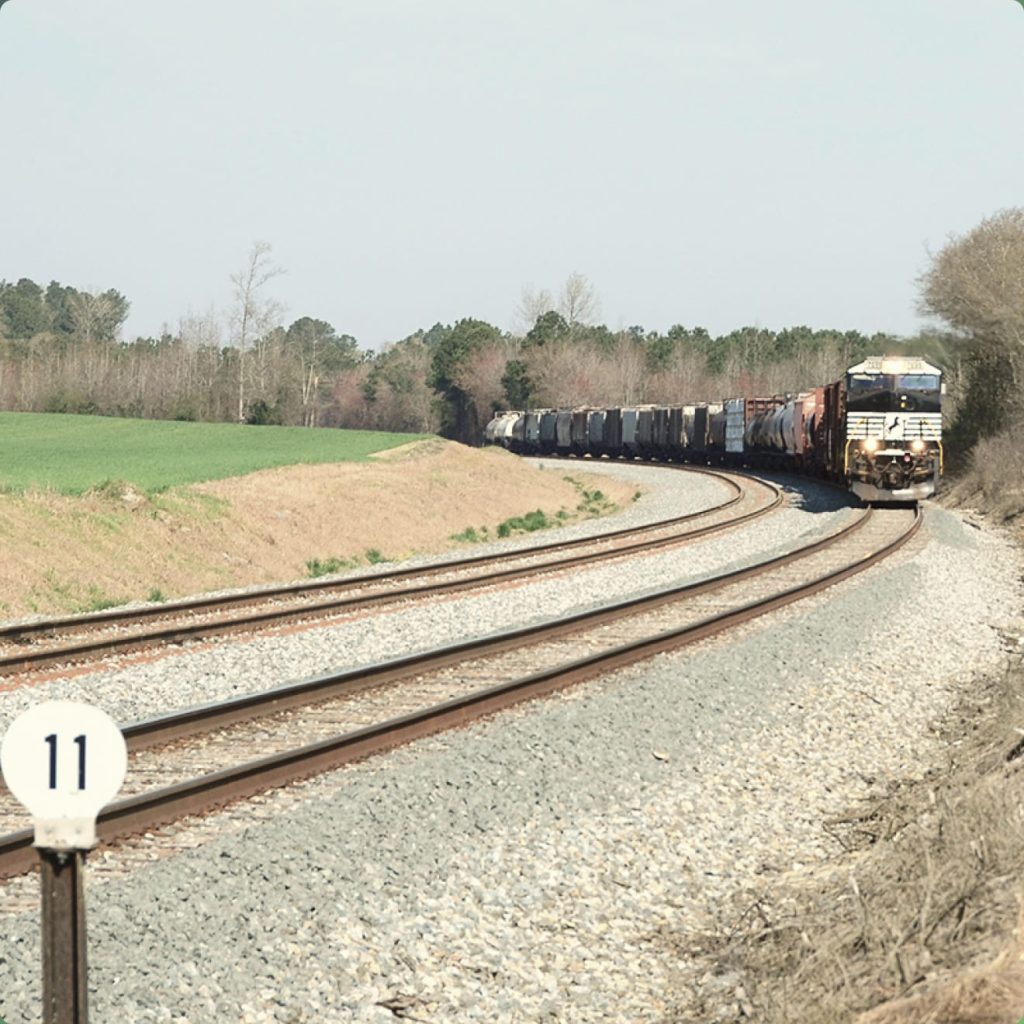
917, 382
888, 392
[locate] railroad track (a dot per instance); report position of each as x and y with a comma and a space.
74, 640
318, 724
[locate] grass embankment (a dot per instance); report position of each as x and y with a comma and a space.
75, 454
591, 505
96, 512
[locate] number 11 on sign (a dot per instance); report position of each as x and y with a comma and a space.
80, 743
64, 761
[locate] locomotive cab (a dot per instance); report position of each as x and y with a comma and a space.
893, 445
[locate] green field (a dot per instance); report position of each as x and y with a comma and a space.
72, 454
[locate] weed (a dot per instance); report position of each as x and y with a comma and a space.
324, 567
374, 557
535, 520
156, 596
592, 503
469, 535
111, 489
97, 601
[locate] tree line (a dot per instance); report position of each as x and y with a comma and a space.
61, 351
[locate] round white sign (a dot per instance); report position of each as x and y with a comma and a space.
64, 761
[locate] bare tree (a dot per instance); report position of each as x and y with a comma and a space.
253, 316
481, 375
198, 372
625, 372
198, 330
563, 374
532, 304
685, 379
578, 300
96, 316
976, 284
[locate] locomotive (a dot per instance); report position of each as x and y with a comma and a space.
877, 430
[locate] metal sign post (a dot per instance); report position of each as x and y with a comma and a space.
65, 968
64, 761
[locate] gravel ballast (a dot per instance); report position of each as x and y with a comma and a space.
535, 867
214, 671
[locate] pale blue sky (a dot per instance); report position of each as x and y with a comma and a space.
713, 162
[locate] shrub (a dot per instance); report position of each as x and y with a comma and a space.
324, 567
535, 520
993, 481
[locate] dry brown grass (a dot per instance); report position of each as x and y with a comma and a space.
993, 994
64, 553
915, 921
994, 480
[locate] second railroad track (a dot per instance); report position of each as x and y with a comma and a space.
188, 762
74, 640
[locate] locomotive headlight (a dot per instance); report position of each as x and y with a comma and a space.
917, 445
870, 445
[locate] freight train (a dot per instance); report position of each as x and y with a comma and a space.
877, 430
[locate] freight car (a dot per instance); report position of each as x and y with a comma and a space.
878, 431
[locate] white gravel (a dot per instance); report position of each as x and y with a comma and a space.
535, 867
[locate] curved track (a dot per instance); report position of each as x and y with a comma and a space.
318, 724
26, 647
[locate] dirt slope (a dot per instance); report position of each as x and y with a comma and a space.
72, 554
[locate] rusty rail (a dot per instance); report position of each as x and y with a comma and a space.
157, 807
86, 649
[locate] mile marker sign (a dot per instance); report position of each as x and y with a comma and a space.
64, 761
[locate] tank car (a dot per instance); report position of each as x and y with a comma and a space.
496, 430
